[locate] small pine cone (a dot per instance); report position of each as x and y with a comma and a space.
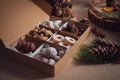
106, 53
106, 50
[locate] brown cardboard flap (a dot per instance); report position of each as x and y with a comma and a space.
18, 18
44, 5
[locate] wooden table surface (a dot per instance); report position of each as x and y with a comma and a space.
29, 11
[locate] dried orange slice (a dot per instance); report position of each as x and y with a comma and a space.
108, 9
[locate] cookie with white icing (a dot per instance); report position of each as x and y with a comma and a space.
57, 38
69, 41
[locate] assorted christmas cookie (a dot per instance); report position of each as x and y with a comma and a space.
24, 46
55, 24
41, 33
64, 45
57, 38
49, 54
69, 41
64, 41
72, 28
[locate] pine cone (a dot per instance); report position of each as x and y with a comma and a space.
107, 50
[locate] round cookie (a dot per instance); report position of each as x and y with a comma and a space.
64, 45
51, 52
57, 38
51, 61
69, 40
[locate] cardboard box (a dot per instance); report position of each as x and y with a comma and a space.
31, 62
43, 67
